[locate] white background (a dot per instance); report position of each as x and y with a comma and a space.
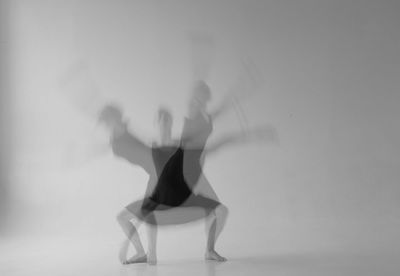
331, 88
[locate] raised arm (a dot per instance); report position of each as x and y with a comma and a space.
223, 107
262, 134
224, 141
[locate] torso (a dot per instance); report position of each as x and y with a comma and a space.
196, 131
161, 155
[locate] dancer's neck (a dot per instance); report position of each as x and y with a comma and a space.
118, 130
165, 138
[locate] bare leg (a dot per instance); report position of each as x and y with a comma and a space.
215, 224
148, 212
123, 251
152, 244
124, 219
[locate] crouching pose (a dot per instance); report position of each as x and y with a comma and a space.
167, 188
176, 179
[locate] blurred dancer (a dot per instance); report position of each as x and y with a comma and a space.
198, 126
126, 145
164, 163
167, 188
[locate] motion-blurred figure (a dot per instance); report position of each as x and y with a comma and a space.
198, 126
175, 168
126, 145
171, 189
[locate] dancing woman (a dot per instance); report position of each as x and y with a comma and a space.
127, 146
166, 189
175, 169
198, 126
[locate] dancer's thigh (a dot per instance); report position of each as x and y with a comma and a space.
141, 209
204, 188
201, 201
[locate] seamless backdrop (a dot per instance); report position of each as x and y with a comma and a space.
330, 73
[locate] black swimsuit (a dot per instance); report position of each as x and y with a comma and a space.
171, 188
173, 170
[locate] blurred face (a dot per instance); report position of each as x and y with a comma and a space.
111, 118
111, 123
199, 98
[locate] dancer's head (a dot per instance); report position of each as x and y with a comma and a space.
201, 95
111, 116
165, 121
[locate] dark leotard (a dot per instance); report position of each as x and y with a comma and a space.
173, 173
171, 188
194, 138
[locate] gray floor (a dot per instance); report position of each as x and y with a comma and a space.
62, 257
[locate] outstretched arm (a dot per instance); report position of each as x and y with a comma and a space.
224, 141
223, 107
262, 134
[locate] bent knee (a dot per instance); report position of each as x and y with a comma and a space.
124, 215
222, 210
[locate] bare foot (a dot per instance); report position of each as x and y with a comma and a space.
214, 256
152, 259
123, 251
136, 259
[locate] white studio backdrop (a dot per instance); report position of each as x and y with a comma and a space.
330, 86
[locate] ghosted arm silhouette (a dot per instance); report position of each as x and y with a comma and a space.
261, 134
223, 107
